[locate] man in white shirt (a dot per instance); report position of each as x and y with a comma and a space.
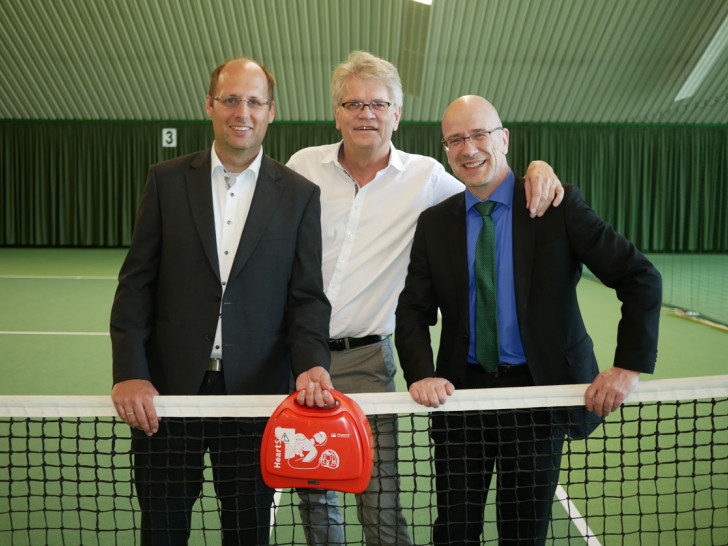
371, 197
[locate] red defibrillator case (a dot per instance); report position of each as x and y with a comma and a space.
323, 448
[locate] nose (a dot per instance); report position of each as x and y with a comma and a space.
366, 111
469, 146
242, 108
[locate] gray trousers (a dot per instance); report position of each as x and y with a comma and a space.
364, 369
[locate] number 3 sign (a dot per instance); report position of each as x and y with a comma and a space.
169, 138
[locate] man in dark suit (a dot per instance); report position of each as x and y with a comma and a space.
221, 293
538, 335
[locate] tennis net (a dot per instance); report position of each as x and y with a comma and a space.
695, 284
656, 472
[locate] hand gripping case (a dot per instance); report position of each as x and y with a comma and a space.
323, 448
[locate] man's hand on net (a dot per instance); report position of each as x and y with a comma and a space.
431, 391
134, 402
609, 389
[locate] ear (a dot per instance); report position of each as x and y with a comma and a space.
272, 111
506, 140
397, 115
208, 106
337, 113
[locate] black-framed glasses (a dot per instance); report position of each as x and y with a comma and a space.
374, 106
232, 103
455, 143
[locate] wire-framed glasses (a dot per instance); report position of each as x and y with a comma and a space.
455, 143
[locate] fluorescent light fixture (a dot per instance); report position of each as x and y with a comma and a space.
428, 2
707, 60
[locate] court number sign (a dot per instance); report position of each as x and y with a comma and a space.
169, 138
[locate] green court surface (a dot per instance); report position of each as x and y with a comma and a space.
55, 321
54, 341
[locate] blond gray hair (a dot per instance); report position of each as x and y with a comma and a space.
365, 66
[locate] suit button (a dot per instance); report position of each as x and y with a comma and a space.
209, 337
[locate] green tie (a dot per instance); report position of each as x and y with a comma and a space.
486, 308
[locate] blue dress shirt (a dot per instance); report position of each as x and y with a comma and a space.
511, 348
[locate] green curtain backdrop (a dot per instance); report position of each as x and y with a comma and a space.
68, 183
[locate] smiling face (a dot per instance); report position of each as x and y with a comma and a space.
481, 166
365, 131
239, 131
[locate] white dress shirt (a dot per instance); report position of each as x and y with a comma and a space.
232, 194
367, 232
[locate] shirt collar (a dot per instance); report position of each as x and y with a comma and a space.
502, 194
216, 164
393, 161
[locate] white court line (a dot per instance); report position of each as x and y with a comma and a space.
575, 516
571, 510
274, 510
59, 277
49, 277
27, 333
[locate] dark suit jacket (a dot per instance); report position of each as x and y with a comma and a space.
275, 312
548, 253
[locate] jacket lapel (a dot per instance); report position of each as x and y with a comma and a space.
458, 257
266, 197
199, 191
524, 239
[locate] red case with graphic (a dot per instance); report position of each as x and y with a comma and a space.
322, 448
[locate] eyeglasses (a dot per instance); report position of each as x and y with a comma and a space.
455, 143
232, 103
374, 106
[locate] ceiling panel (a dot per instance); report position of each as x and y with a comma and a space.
561, 61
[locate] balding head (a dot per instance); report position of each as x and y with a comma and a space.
471, 106
476, 144
242, 61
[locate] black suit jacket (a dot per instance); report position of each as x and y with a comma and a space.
275, 312
548, 253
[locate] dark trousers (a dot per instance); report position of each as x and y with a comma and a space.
168, 474
524, 449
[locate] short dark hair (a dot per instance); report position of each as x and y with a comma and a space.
216, 76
